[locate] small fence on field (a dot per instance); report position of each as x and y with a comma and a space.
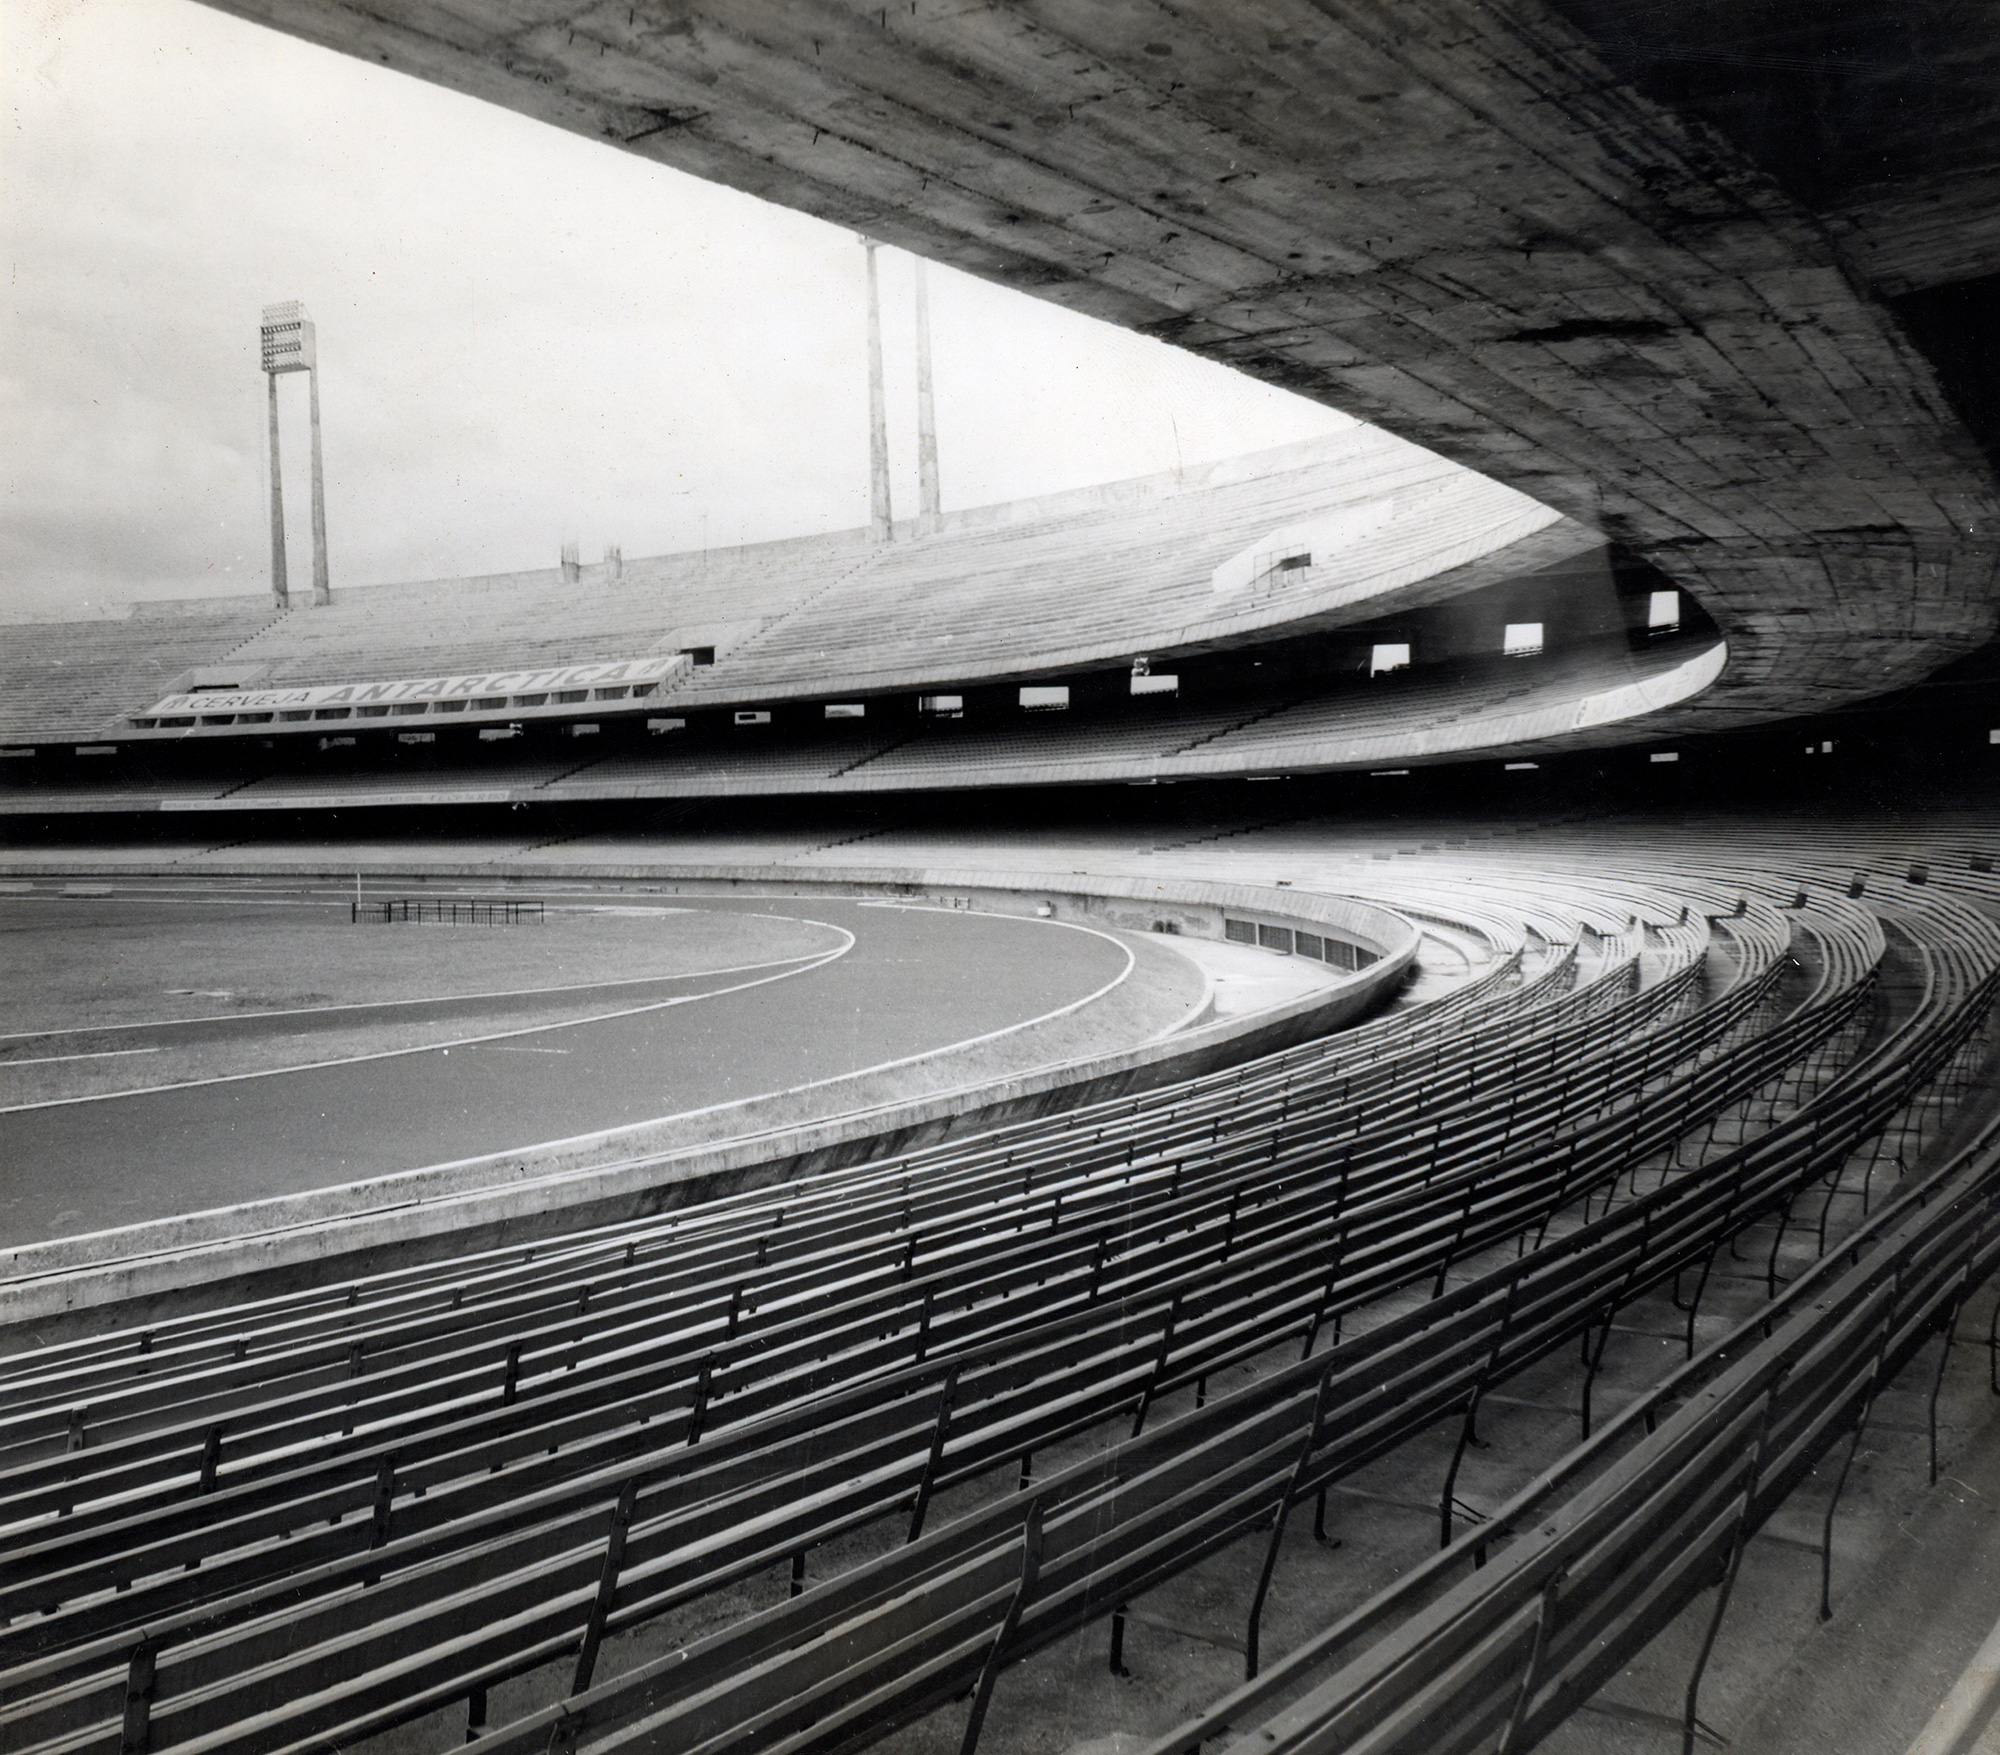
489, 912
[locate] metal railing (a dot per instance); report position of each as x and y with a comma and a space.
485, 911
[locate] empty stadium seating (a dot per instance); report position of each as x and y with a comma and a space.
1121, 570
1501, 705
77, 680
1003, 1378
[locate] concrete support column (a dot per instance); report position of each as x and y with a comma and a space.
280, 587
879, 527
322, 592
930, 509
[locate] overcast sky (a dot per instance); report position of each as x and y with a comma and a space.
523, 335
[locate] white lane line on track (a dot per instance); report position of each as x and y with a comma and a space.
58, 1059
313, 1011
1061, 1011
579, 1244
273, 1072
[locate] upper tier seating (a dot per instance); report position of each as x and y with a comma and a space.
71, 681
1087, 578
517, 621
1133, 576
1388, 721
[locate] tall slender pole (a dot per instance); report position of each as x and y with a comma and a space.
280, 589
930, 508
879, 526
322, 592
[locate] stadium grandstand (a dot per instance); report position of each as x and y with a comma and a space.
1343, 1100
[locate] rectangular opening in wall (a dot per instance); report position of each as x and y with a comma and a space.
753, 716
1391, 655
1664, 756
1239, 932
942, 706
1156, 685
847, 710
1310, 944
1521, 767
416, 737
1521, 639
1663, 611
1050, 698
700, 655
1275, 938
659, 726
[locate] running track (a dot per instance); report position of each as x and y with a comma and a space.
912, 981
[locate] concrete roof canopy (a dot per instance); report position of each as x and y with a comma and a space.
1480, 227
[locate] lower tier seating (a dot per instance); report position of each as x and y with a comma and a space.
829, 1431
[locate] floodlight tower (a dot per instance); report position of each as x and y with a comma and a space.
880, 526
930, 514
288, 345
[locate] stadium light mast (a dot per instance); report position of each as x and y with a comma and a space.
880, 529
287, 344
930, 510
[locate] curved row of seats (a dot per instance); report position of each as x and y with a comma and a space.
1499, 1639
1361, 725
1117, 1524
845, 1351
77, 680
1121, 570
